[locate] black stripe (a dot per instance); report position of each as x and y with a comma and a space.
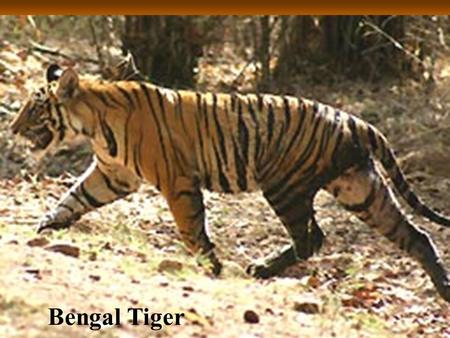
270, 122
243, 134
136, 97
233, 102
199, 101
306, 151
311, 171
240, 168
223, 181
336, 151
252, 112
207, 177
78, 199
308, 180
280, 186
101, 96
353, 129
293, 207
158, 125
287, 114
292, 198
179, 111
220, 134
127, 97
385, 199
399, 182
126, 138
112, 97
89, 198
296, 134
119, 192
137, 156
205, 116
109, 137
69, 120
388, 159
166, 126
260, 102
372, 138
157, 177
102, 161
257, 136
65, 206
62, 127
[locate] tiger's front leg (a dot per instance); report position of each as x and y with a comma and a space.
100, 184
186, 204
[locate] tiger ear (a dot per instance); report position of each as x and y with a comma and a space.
67, 84
53, 72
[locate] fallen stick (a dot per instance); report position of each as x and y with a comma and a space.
36, 47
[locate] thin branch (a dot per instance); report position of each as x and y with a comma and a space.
37, 47
234, 83
96, 44
395, 42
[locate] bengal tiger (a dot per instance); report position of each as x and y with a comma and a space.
185, 141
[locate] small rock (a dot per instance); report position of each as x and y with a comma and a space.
251, 317
38, 241
188, 288
95, 278
107, 246
93, 256
33, 271
167, 265
65, 249
309, 306
313, 281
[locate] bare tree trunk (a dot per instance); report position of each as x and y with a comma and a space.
264, 53
166, 48
365, 44
296, 42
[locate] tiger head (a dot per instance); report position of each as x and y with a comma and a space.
43, 118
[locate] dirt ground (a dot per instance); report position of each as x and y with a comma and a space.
128, 254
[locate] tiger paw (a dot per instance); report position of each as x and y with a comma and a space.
443, 289
216, 268
211, 263
314, 241
260, 271
50, 222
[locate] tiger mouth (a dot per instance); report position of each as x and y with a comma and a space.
40, 138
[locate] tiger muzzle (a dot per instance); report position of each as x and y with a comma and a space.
40, 137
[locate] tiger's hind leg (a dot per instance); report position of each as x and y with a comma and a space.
363, 191
307, 237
